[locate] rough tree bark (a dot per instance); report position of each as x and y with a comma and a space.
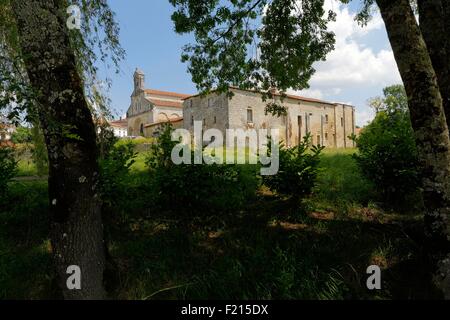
77, 231
436, 33
430, 128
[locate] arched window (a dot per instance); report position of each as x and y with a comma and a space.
141, 130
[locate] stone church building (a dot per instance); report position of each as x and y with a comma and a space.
330, 124
151, 107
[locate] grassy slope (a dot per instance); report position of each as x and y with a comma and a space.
267, 251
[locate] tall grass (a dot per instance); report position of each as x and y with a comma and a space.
248, 258
25, 261
340, 183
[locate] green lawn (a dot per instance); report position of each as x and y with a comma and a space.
139, 164
267, 251
26, 167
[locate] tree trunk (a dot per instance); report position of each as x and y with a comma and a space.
436, 33
77, 231
430, 129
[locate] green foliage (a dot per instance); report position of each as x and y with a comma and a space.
105, 140
232, 48
387, 151
199, 190
22, 135
114, 173
275, 109
160, 155
31, 140
39, 151
252, 258
26, 268
139, 143
8, 168
340, 183
266, 271
96, 41
298, 170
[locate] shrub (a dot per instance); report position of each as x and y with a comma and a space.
197, 190
298, 170
22, 135
114, 172
105, 140
8, 168
387, 151
136, 141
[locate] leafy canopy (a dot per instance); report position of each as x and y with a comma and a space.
96, 41
387, 151
253, 44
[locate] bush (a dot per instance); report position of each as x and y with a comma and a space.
136, 141
22, 135
387, 152
297, 172
8, 168
197, 190
106, 140
114, 172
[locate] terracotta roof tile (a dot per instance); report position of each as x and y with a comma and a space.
164, 103
119, 123
167, 93
160, 122
306, 99
291, 96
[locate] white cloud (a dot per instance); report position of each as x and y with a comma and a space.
363, 117
308, 93
353, 64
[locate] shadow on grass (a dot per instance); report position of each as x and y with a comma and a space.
261, 255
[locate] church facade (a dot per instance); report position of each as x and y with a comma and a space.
149, 107
329, 124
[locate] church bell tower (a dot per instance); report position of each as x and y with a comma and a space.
139, 80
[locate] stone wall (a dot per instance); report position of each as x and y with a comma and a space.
244, 102
345, 125
165, 113
212, 110
135, 122
329, 124
316, 118
154, 130
138, 113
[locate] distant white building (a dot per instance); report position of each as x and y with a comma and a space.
119, 128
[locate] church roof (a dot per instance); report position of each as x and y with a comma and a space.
291, 96
167, 93
165, 103
295, 97
119, 123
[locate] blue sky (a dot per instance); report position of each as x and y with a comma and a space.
358, 69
